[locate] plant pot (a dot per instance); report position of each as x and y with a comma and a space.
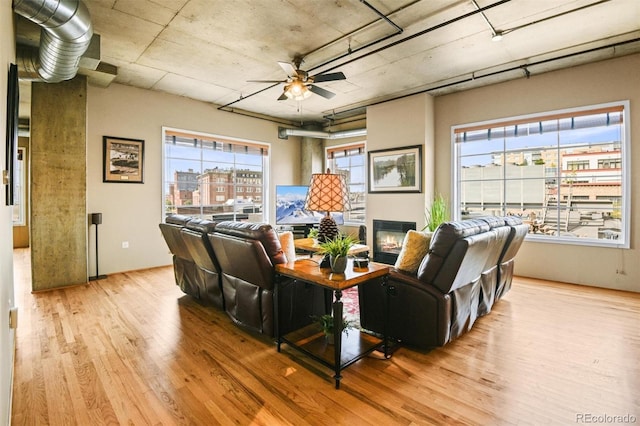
329, 338
338, 264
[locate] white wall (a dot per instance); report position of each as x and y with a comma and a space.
607, 81
7, 336
396, 124
132, 212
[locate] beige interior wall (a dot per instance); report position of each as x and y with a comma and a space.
132, 212
396, 124
607, 81
7, 335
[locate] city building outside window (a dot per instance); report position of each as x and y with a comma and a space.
565, 173
350, 161
206, 176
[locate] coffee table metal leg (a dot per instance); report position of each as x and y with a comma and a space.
337, 335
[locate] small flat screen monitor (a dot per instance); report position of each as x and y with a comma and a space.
290, 207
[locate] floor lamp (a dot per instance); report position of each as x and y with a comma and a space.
96, 219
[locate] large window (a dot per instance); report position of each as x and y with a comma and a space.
213, 177
349, 160
566, 173
20, 194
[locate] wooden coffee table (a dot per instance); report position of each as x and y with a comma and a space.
310, 339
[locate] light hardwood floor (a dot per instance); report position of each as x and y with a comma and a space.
132, 349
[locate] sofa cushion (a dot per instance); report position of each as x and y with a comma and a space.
261, 232
178, 219
512, 220
201, 225
493, 221
286, 241
414, 248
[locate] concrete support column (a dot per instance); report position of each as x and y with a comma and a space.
312, 153
59, 221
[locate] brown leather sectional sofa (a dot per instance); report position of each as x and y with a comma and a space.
469, 266
230, 265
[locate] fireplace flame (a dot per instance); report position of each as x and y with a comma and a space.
390, 242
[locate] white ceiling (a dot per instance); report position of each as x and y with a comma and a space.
208, 49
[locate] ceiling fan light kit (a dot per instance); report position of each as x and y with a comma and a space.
296, 91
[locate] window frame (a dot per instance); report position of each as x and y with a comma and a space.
328, 150
20, 185
266, 162
626, 144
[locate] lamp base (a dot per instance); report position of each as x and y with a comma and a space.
328, 229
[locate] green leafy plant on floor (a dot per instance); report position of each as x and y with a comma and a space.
436, 214
313, 233
326, 323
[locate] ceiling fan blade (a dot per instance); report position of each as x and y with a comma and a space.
283, 97
288, 68
329, 77
320, 91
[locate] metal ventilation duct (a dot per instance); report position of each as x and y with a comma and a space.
284, 133
65, 36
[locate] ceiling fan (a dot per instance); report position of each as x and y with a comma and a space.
299, 84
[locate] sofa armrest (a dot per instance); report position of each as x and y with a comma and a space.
420, 315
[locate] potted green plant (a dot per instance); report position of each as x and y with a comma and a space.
326, 324
436, 214
313, 234
337, 249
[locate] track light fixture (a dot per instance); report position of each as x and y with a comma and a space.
495, 35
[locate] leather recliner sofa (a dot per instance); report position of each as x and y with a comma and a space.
469, 265
231, 265
194, 235
184, 268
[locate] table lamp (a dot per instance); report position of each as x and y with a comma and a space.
327, 193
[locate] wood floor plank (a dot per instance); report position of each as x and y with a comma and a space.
132, 349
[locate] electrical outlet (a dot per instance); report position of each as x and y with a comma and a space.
13, 317
125, 244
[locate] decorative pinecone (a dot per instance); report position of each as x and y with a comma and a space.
328, 229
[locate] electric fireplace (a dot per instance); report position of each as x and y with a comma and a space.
388, 236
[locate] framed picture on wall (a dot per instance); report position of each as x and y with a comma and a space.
122, 160
395, 170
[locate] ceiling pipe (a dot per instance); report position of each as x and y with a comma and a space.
382, 16
284, 133
495, 35
64, 38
